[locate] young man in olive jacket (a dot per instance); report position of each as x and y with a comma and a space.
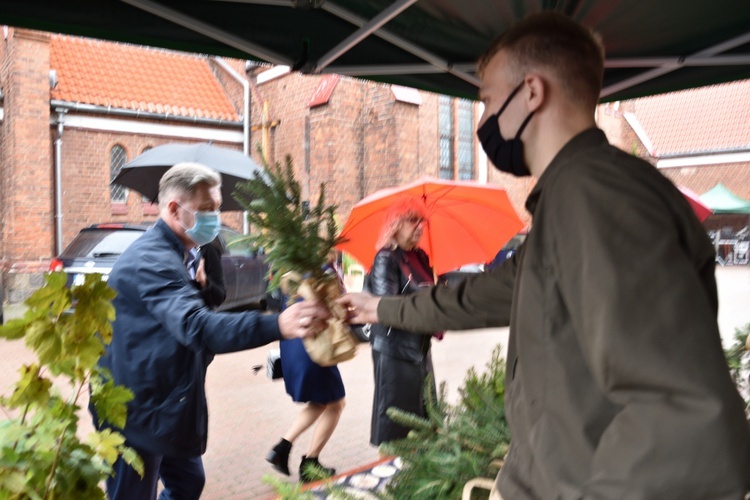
164, 336
617, 386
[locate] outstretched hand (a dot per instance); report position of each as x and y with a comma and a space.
303, 319
361, 307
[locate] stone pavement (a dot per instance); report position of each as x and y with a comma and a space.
248, 413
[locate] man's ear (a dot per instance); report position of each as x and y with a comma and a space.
172, 208
535, 92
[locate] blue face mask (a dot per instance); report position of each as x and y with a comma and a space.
205, 228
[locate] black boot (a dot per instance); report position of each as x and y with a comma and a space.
279, 456
311, 470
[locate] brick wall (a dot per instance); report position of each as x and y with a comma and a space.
361, 140
27, 179
86, 177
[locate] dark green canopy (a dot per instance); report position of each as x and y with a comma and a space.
652, 46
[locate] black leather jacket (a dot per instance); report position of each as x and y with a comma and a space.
388, 276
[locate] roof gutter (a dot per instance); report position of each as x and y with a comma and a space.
718, 151
134, 113
701, 158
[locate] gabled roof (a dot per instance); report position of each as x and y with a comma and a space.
132, 77
698, 121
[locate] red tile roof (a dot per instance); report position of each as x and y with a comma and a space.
700, 120
137, 78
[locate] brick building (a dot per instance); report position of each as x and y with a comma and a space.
74, 110
698, 138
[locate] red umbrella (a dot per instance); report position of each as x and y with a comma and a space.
468, 222
700, 209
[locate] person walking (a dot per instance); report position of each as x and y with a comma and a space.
617, 385
402, 361
164, 336
321, 389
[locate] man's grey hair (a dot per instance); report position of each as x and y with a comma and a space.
181, 180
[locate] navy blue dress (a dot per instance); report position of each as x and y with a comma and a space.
306, 381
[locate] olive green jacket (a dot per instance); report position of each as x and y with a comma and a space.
616, 383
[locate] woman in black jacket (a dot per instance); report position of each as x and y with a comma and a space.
401, 359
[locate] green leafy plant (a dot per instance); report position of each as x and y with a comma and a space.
41, 455
296, 237
738, 359
453, 443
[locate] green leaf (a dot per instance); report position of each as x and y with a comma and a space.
11, 481
13, 329
32, 388
110, 400
42, 337
107, 444
131, 457
52, 299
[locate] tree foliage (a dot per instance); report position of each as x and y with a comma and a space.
41, 455
295, 236
453, 443
738, 359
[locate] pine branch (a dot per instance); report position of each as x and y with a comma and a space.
453, 444
295, 236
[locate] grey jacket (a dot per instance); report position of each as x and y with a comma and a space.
617, 386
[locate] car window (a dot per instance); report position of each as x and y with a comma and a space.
235, 244
100, 243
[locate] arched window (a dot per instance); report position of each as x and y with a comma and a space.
117, 158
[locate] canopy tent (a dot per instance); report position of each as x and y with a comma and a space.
652, 47
723, 201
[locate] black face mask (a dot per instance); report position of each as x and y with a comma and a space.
506, 155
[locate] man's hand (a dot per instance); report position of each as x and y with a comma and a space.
303, 319
361, 307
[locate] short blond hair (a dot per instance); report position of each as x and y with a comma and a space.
550, 40
401, 210
181, 180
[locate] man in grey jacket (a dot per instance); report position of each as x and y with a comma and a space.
617, 386
164, 336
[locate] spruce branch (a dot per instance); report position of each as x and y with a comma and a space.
295, 236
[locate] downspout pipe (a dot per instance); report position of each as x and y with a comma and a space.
245, 118
58, 181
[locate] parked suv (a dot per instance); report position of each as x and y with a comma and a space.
96, 248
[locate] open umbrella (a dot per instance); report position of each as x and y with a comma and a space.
468, 222
144, 171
